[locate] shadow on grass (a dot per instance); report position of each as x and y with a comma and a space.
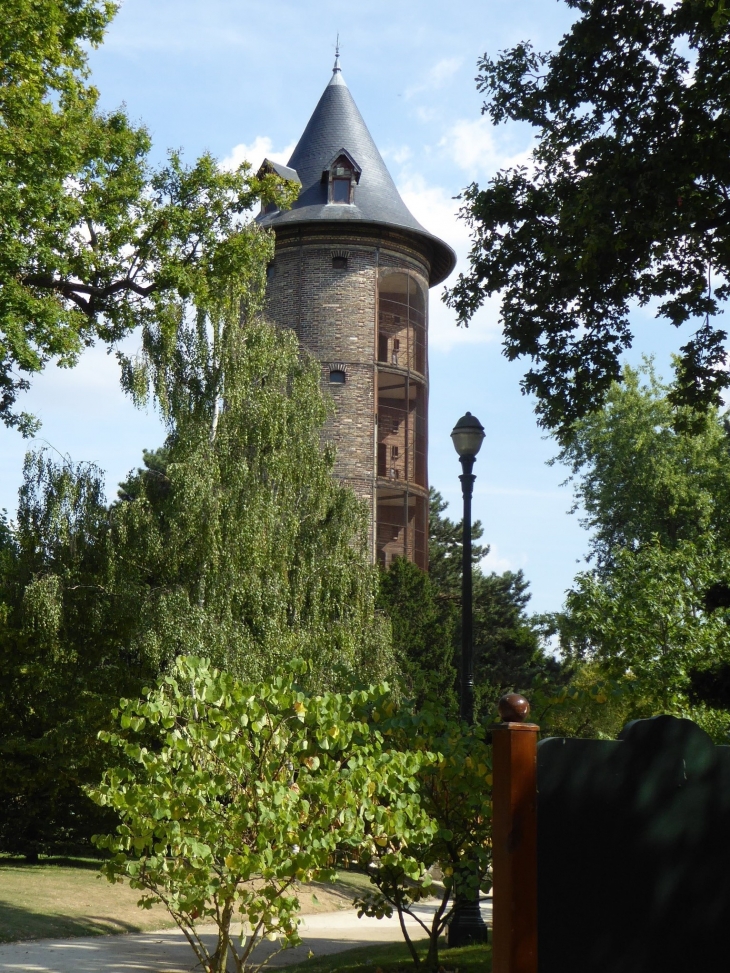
11, 861
17, 924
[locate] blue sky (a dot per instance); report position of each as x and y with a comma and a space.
240, 78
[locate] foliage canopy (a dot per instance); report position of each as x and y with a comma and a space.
452, 835
626, 201
637, 477
230, 792
425, 610
653, 611
234, 541
95, 240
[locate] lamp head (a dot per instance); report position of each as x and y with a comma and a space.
468, 435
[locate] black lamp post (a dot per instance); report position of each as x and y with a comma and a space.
468, 435
467, 925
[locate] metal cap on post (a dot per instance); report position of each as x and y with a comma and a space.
514, 838
468, 435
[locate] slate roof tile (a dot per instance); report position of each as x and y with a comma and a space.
336, 123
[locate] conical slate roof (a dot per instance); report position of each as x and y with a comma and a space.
337, 124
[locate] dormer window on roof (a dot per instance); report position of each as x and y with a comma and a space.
341, 177
282, 174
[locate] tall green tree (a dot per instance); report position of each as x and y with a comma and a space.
425, 613
653, 610
65, 657
638, 478
234, 542
423, 630
508, 650
626, 200
94, 240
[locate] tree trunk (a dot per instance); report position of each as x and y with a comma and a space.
219, 959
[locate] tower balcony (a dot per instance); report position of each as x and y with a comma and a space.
402, 324
401, 528
402, 428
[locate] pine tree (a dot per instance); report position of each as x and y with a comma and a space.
425, 612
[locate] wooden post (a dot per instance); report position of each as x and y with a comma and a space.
514, 839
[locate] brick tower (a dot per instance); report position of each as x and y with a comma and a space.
351, 275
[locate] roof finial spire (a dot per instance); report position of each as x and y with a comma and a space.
337, 56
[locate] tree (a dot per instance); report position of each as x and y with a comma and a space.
653, 608
401, 849
626, 201
95, 241
508, 652
639, 478
237, 541
445, 549
423, 631
425, 614
234, 541
647, 621
230, 793
65, 658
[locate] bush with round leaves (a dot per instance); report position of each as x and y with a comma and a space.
230, 793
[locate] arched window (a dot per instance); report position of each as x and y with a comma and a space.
337, 376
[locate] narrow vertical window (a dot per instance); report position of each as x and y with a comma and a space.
340, 190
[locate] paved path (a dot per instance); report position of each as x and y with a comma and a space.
169, 952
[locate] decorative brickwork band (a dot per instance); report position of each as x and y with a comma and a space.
514, 839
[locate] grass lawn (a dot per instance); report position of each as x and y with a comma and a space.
395, 958
67, 897
61, 897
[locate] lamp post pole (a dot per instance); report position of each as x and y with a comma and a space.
467, 925
466, 696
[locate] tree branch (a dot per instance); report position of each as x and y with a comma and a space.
74, 289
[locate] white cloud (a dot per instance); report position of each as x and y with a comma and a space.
427, 115
494, 561
398, 155
261, 148
435, 209
444, 69
437, 76
473, 147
